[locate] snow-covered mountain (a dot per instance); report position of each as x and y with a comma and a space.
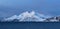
27, 16
31, 16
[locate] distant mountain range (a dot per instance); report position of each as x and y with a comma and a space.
53, 19
31, 17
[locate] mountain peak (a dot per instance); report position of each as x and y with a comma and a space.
27, 16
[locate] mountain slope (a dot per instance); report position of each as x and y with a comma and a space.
27, 16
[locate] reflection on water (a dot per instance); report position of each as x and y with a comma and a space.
30, 25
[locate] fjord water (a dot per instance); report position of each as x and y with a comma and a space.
30, 25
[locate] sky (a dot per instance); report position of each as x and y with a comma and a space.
15, 7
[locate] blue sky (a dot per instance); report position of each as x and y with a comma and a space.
12, 7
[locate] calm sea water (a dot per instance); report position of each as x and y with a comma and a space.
30, 25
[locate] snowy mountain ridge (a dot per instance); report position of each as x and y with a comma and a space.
27, 16
31, 16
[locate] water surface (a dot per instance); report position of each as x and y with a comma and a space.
30, 25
